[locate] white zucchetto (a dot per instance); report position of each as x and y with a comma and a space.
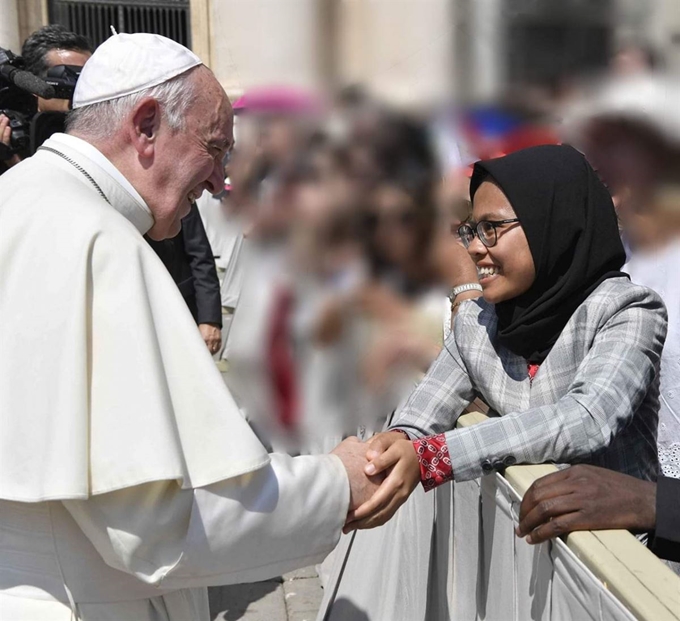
128, 63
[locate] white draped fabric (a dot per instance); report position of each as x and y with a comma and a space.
458, 558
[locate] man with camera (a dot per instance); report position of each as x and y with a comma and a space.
51, 53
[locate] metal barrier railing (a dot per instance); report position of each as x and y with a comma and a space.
616, 563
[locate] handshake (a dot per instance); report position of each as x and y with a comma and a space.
382, 474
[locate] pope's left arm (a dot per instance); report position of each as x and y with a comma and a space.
609, 387
251, 527
203, 271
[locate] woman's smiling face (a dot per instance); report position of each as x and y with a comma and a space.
507, 269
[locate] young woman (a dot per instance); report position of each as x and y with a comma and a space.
562, 346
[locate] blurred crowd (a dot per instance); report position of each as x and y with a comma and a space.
334, 240
336, 246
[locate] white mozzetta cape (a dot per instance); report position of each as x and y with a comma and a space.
105, 382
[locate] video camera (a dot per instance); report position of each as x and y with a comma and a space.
18, 103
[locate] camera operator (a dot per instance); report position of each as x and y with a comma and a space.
48, 47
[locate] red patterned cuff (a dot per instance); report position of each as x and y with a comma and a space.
434, 460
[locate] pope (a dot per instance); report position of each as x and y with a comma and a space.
129, 481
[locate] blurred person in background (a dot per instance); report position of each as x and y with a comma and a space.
329, 266
263, 372
397, 304
636, 58
189, 259
225, 229
631, 134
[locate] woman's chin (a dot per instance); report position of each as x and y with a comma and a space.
495, 295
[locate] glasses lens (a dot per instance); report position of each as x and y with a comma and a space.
466, 234
487, 233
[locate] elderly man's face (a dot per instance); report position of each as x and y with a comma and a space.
190, 160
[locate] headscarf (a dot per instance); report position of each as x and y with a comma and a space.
568, 217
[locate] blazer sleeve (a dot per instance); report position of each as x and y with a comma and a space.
610, 385
440, 398
204, 273
665, 541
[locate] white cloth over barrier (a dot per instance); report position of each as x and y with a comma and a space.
453, 554
494, 575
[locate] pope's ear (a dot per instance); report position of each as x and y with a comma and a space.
146, 122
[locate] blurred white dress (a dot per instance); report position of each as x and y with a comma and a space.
658, 270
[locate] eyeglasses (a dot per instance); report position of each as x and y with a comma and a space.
485, 230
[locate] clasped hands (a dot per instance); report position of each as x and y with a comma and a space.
382, 474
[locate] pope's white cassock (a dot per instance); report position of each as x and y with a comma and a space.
128, 478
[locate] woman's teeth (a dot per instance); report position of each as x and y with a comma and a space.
484, 272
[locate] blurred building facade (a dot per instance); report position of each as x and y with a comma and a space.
406, 50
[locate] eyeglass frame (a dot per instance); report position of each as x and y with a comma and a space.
475, 231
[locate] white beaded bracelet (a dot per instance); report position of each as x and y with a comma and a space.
470, 286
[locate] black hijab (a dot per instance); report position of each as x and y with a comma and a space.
568, 217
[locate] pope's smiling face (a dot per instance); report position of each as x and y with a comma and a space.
190, 160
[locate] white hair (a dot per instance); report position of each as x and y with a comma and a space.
100, 120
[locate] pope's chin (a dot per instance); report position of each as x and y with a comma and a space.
166, 228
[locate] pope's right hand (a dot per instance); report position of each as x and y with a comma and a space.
352, 453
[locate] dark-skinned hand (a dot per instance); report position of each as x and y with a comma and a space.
585, 498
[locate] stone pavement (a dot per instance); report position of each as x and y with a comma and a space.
295, 597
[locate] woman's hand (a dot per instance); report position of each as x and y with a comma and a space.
380, 442
400, 463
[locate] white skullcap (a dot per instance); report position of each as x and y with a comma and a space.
128, 63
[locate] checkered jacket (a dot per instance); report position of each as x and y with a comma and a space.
594, 399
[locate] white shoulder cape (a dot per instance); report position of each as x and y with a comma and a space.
105, 382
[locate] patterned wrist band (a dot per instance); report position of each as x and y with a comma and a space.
434, 461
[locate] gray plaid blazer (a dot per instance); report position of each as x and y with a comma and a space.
594, 399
